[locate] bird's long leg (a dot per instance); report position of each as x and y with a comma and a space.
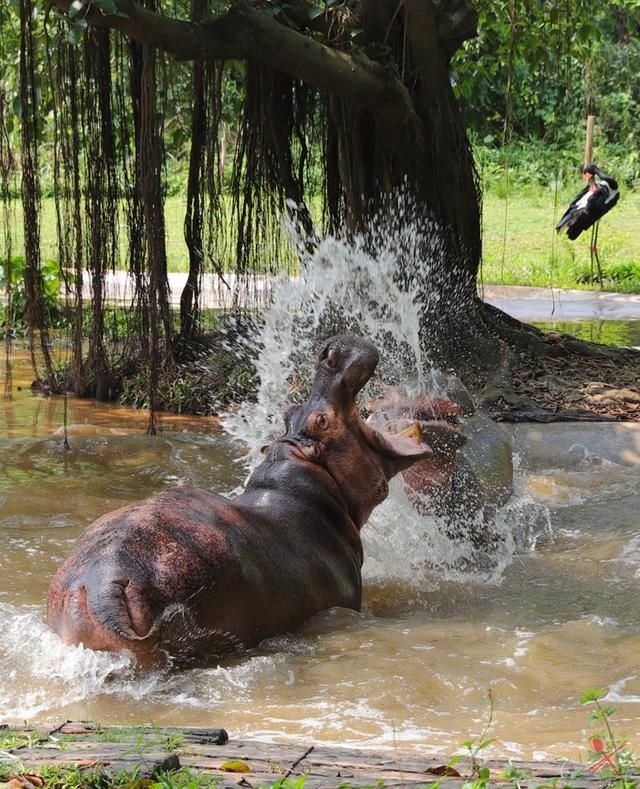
593, 249
595, 246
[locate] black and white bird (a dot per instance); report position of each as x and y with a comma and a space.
599, 196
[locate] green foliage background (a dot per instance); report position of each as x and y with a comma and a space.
525, 83
538, 66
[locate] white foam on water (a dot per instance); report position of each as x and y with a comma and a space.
616, 695
57, 674
630, 554
40, 675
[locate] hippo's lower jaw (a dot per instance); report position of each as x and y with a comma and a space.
198, 577
470, 473
434, 422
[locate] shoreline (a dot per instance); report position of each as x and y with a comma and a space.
110, 754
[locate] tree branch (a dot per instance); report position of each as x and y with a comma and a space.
245, 33
456, 21
423, 34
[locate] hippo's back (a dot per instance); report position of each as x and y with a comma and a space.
136, 567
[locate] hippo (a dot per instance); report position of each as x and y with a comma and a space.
465, 487
427, 481
188, 576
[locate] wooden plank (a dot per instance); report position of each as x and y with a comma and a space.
111, 757
146, 750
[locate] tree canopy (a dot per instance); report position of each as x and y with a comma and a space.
326, 106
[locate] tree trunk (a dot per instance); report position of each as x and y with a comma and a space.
194, 219
101, 200
33, 285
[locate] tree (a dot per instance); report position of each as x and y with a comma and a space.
366, 82
380, 67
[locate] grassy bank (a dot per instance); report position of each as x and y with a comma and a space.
521, 246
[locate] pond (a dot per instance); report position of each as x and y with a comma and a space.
557, 613
606, 332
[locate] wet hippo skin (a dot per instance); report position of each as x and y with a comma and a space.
192, 576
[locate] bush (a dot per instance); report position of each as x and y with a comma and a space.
51, 281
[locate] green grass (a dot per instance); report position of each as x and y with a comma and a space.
528, 251
177, 257
12, 739
525, 251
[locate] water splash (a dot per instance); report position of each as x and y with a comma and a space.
384, 287
42, 676
402, 545
68, 674
371, 287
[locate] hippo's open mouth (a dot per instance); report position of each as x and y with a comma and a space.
430, 420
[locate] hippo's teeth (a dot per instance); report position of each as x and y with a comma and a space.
396, 426
413, 431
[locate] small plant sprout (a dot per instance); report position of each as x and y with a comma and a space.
479, 774
474, 747
611, 753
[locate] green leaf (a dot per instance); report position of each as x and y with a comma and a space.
314, 12
16, 106
74, 35
593, 694
75, 8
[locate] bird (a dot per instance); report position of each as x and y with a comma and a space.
592, 203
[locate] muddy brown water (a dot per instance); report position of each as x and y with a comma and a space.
557, 612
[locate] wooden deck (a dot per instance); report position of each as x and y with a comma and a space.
145, 751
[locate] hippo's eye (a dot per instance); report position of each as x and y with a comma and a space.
332, 358
321, 421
